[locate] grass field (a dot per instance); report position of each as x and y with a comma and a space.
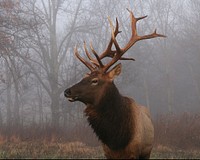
176, 137
52, 150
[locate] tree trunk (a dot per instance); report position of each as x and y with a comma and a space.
146, 91
40, 105
16, 104
9, 101
1, 119
55, 111
195, 81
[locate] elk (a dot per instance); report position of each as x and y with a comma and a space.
124, 127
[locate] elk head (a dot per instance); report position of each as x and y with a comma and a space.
90, 89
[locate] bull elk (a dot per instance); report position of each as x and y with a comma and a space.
124, 127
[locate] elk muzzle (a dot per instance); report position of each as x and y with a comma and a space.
69, 96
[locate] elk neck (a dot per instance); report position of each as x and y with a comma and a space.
111, 118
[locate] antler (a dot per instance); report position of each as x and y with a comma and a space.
119, 52
134, 38
108, 51
87, 64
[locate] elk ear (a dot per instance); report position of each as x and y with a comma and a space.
114, 72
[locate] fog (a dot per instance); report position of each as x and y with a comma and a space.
37, 40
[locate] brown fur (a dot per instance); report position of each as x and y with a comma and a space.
141, 144
141, 141
124, 128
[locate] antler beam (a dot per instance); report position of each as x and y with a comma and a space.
134, 38
87, 64
118, 52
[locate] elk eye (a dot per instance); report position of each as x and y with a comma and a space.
94, 81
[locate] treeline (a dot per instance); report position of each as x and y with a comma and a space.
37, 40
173, 132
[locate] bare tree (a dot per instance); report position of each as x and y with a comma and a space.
46, 49
12, 74
190, 39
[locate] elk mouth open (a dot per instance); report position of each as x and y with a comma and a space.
72, 99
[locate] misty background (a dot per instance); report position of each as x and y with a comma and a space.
37, 39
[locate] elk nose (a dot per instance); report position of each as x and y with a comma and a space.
67, 92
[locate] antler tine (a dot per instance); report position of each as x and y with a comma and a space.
108, 51
89, 57
86, 51
87, 64
96, 55
134, 21
124, 58
153, 35
134, 38
118, 53
113, 37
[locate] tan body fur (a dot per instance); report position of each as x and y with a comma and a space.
124, 128
141, 143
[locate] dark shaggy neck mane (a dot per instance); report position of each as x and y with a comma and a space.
111, 119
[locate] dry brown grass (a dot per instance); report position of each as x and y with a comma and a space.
38, 149
178, 131
176, 136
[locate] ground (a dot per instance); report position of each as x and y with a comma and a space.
45, 149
